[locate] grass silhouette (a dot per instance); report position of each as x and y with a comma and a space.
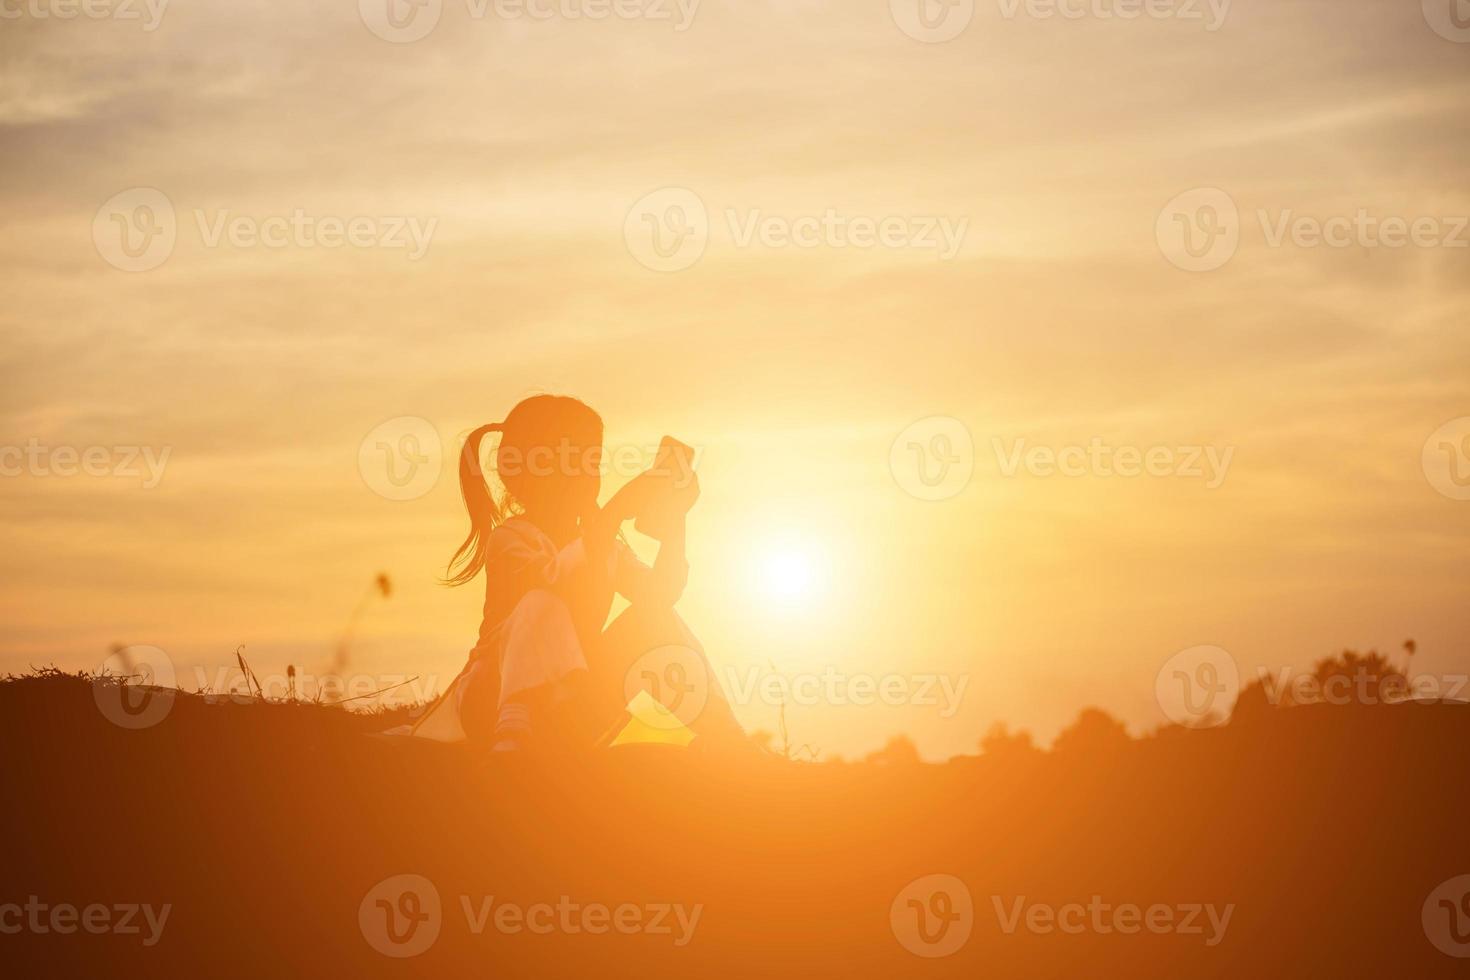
265, 823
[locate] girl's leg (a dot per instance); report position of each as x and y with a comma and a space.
479, 701
541, 669
653, 650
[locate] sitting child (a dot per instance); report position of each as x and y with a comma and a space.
546, 669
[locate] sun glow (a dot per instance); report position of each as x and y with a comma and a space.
789, 573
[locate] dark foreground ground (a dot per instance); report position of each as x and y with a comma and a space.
276, 835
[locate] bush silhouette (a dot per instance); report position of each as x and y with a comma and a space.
1095, 732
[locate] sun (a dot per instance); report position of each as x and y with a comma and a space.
789, 573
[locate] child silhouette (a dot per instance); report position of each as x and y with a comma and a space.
546, 671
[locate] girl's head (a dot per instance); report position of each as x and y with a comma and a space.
549, 462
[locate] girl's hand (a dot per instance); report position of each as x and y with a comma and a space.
601, 524
635, 497
687, 492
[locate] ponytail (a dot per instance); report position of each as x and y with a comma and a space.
485, 513
541, 420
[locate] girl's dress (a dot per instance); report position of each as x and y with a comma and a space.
544, 608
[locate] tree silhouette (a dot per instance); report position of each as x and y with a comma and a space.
898, 752
1001, 743
1347, 678
1095, 732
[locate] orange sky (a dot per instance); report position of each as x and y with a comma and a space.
523, 145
